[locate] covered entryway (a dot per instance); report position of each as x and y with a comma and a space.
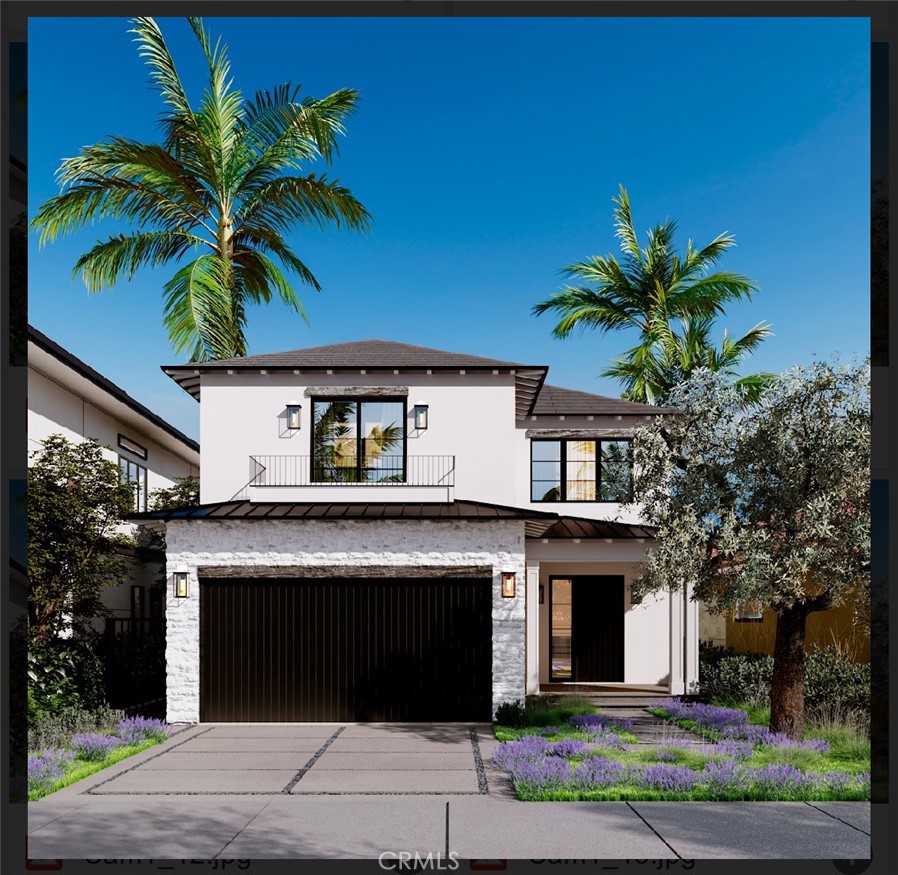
586, 628
345, 649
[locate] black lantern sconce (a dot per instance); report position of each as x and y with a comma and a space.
294, 410
420, 415
509, 584
179, 583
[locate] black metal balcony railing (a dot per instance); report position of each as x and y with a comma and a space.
379, 471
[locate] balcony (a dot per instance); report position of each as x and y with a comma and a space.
385, 478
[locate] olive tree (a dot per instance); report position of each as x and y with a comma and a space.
764, 504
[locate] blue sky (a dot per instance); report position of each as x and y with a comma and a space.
488, 151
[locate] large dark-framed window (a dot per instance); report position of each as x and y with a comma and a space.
359, 440
136, 475
581, 470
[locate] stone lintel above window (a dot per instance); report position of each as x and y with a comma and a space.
579, 434
355, 391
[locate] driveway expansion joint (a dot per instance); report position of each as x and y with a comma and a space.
315, 757
482, 783
90, 790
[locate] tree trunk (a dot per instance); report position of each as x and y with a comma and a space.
787, 687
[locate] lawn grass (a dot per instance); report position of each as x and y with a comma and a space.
79, 768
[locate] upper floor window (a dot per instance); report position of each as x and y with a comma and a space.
136, 475
132, 446
357, 440
581, 470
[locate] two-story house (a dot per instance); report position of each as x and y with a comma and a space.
68, 397
389, 532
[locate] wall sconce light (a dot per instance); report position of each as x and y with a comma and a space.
179, 581
509, 580
542, 593
294, 409
420, 414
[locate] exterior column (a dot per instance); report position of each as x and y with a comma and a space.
677, 679
532, 645
691, 643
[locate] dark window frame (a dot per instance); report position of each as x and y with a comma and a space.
140, 495
138, 597
756, 617
358, 400
562, 485
132, 446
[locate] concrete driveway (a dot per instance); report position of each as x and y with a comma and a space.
235, 759
358, 791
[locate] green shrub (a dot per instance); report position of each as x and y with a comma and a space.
836, 689
63, 674
511, 714
56, 730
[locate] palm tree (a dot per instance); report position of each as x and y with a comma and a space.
648, 289
650, 370
222, 187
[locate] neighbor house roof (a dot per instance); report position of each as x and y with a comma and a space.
555, 401
539, 524
368, 356
71, 361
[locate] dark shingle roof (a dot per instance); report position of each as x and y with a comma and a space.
358, 354
555, 401
86, 371
372, 356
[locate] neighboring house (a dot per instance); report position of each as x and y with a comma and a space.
69, 398
389, 532
752, 630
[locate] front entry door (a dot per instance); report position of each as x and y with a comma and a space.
586, 630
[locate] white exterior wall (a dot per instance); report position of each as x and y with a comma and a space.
471, 417
646, 625
192, 544
55, 409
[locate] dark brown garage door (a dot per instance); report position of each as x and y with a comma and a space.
313, 650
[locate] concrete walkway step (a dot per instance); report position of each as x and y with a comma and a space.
651, 730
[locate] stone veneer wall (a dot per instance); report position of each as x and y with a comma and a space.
194, 543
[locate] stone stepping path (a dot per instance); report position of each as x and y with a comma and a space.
652, 731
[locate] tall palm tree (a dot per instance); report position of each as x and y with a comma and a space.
648, 289
222, 187
650, 370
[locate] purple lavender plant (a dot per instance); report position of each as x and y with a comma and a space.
551, 773
668, 754
599, 771
662, 776
721, 776
530, 747
781, 779
737, 749
569, 748
47, 768
94, 746
133, 730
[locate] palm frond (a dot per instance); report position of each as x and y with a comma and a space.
101, 266
307, 200
198, 310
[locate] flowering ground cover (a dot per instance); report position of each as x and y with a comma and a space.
590, 757
89, 752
